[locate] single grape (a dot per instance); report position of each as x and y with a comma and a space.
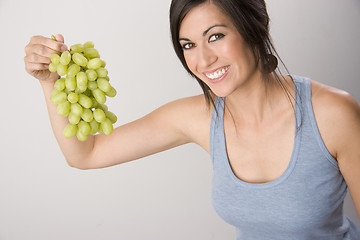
81, 79
104, 107
77, 109
99, 115
99, 95
60, 84
103, 84
65, 58
92, 85
82, 137
79, 59
85, 101
101, 72
63, 109
87, 115
91, 53
94, 63
73, 69
55, 58
107, 127
77, 48
91, 75
58, 98
111, 116
84, 127
52, 67
73, 97
74, 118
111, 93
88, 44
103, 63
95, 126
70, 130
70, 83
61, 69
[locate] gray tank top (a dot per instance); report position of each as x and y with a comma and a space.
304, 203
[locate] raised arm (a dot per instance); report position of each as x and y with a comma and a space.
171, 125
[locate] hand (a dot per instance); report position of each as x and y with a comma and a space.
37, 58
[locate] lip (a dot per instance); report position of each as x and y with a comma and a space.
217, 79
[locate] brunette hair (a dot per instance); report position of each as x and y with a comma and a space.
251, 19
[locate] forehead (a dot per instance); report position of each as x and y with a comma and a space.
202, 17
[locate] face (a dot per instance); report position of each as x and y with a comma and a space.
215, 51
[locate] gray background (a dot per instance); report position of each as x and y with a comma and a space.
164, 196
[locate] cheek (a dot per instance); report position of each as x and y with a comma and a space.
190, 62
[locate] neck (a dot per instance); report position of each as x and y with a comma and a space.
256, 101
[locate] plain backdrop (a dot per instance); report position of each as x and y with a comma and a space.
164, 196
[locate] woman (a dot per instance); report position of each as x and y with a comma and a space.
295, 191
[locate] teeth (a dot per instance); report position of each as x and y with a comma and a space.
218, 73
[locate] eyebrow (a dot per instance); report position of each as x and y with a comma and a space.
205, 32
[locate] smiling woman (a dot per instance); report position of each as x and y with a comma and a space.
247, 110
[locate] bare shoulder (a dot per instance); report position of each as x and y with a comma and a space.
192, 116
337, 114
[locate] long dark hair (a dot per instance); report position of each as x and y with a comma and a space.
251, 19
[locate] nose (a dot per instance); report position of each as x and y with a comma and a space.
205, 56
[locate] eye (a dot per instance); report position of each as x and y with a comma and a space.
215, 37
188, 45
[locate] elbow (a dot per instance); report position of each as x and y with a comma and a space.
77, 164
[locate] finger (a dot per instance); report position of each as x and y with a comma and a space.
59, 38
55, 45
40, 50
35, 58
33, 67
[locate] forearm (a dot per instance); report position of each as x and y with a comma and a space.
76, 152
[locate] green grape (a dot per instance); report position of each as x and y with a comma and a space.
103, 63
79, 59
95, 103
65, 58
111, 116
91, 53
58, 98
87, 115
85, 101
60, 84
70, 130
99, 95
52, 67
92, 85
77, 48
82, 137
106, 126
74, 118
91, 75
55, 58
77, 109
73, 69
95, 126
81, 79
54, 92
61, 69
101, 72
73, 97
104, 107
63, 109
103, 84
88, 44
80, 89
94, 63
99, 115
111, 92
84, 127
70, 83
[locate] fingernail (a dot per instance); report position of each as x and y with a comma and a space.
63, 48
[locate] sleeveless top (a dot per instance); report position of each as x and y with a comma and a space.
304, 203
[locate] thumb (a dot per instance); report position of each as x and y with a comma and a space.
59, 38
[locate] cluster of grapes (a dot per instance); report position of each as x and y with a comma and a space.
80, 93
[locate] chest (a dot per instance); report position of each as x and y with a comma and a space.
260, 155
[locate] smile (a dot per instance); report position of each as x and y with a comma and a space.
217, 73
